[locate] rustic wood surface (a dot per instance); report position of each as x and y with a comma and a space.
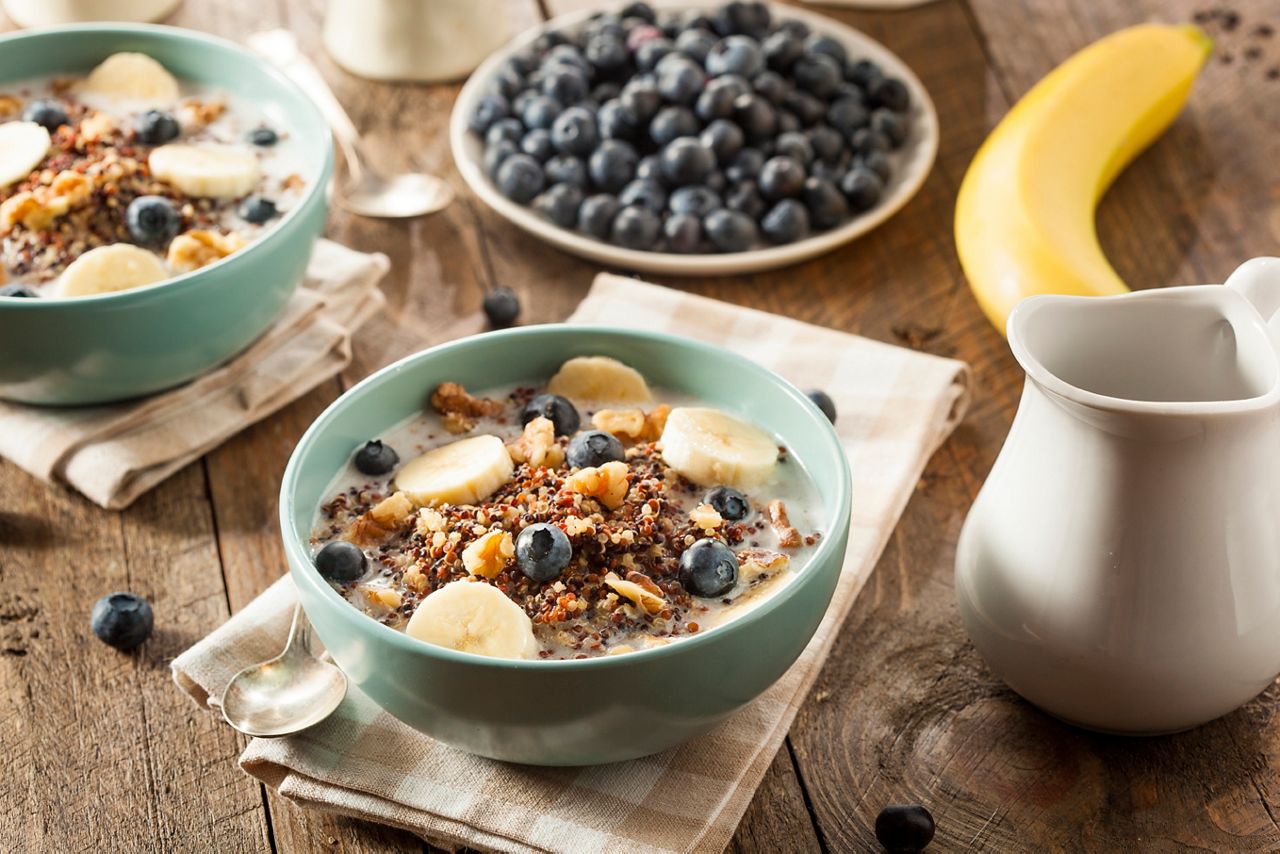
99, 752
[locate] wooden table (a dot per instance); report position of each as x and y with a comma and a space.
99, 751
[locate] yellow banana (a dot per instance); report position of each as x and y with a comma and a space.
1025, 213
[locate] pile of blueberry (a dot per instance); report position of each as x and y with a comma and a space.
714, 132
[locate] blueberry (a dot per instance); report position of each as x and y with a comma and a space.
122, 620
746, 165
818, 43
592, 448
506, 81
889, 125
697, 200
543, 551
708, 568
595, 217
680, 82
832, 172
520, 178
683, 232
606, 91
877, 162
781, 177
823, 401
17, 292
864, 72
889, 92
696, 43
827, 207
808, 109
489, 109
642, 100
509, 129
786, 222
724, 138
566, 169
565, 85
649, 168
847, 115
715, 102
574, 132
607, 55
795, 145
781, 50
375, 457
728, 502
540, 112
156, 127
730, 231
612, 165
615, 121
152, 220
636, 228
755, 116
639, 10
496, 153
788, 122
865, 140
816, 73
651, 52
559, 410
795, 28
501, 306
538, 145
862, 188
845, 89
717, 182
748, 18
257, 210
48, 114
745, 199
546, 42
522, 100
735, 55
672, 123
649, 195
341, 562
686, 161
559, 203
770, 86
826, 141
904, 827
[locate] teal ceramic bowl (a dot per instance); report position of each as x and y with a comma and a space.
116, 346
569, 712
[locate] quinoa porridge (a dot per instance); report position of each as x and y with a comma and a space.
127, 176
588, 515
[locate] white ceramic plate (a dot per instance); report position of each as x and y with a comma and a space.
911, 163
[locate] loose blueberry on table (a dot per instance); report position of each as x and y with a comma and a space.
122, 620
779, 132
501, 306
904, 828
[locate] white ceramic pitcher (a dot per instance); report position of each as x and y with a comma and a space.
1120, 568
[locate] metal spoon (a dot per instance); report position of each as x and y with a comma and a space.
285, 694
367, 193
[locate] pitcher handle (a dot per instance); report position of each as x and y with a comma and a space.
1258, 281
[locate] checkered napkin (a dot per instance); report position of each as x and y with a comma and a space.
896, 406
114, 453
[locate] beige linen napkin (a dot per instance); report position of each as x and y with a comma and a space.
896, 406
114, 453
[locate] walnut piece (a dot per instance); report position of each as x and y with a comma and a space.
608, 483
194, 111
10, 105
96, 126
788, 537
430, 521
639, 589
633, 425
383, 519
198, 248
537, 445
37, 209
706, 517
460, 409
753, 563
489, 554
384, 596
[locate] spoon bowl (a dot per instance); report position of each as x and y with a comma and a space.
408, 194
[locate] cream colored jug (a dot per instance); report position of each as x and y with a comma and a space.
1120, 568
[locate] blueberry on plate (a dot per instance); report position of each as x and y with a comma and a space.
865, 140
877, 162
616, 121
696, 43
543, 551
152, 220
833, 173
735, 55
697, 200
540, 112
48, 114
729, 503
635, 228
827, 207
864, 72
612, 165
560, 203
489, 109
501, 306
781, 50
566, 169
708, 568
807, 108
651, 51
745, 199
756, 116
724, 138
558, 410
817, 74
641, 98
374, 458
746, 165
862, 188
680, 81
771, 86
574, 132
592, 448
781, 177
786, 222
683, 232
904, 827
686, 161
847, 115
122, 620
538, 145
795, 145
565, 84
716, 101
730, 231
257, 210
826, 141
16, 291
341, 562
788, 122
649, 168
595, 217
750, 19
264, 137
824, 402
818, 43
890, 125
889, 92
639, 10
602, 92
156, 127
496, 153
520, 178
607, 55
671, 123
646, 194
509, 129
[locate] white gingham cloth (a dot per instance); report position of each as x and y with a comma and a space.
895, 407
113, 453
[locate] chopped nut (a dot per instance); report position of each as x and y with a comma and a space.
383, 519
788, 537
293, 181
608, 483
656, 421
489, 555
537, 445
638, 589
384, 596
9, 106
199, 248
456, 422
97, 126
37, 209
753, 563
415, 580
197, 112
632, 425
706, 517
430, 520
451, 399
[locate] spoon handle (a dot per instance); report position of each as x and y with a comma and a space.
299, 640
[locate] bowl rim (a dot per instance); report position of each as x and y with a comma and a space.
711, 263
318, 188
297, 556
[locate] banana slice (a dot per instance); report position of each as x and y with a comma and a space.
472, 616
463, 472
134, 77
599, 378
22, 146
712, 448
221, 172
107, 269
